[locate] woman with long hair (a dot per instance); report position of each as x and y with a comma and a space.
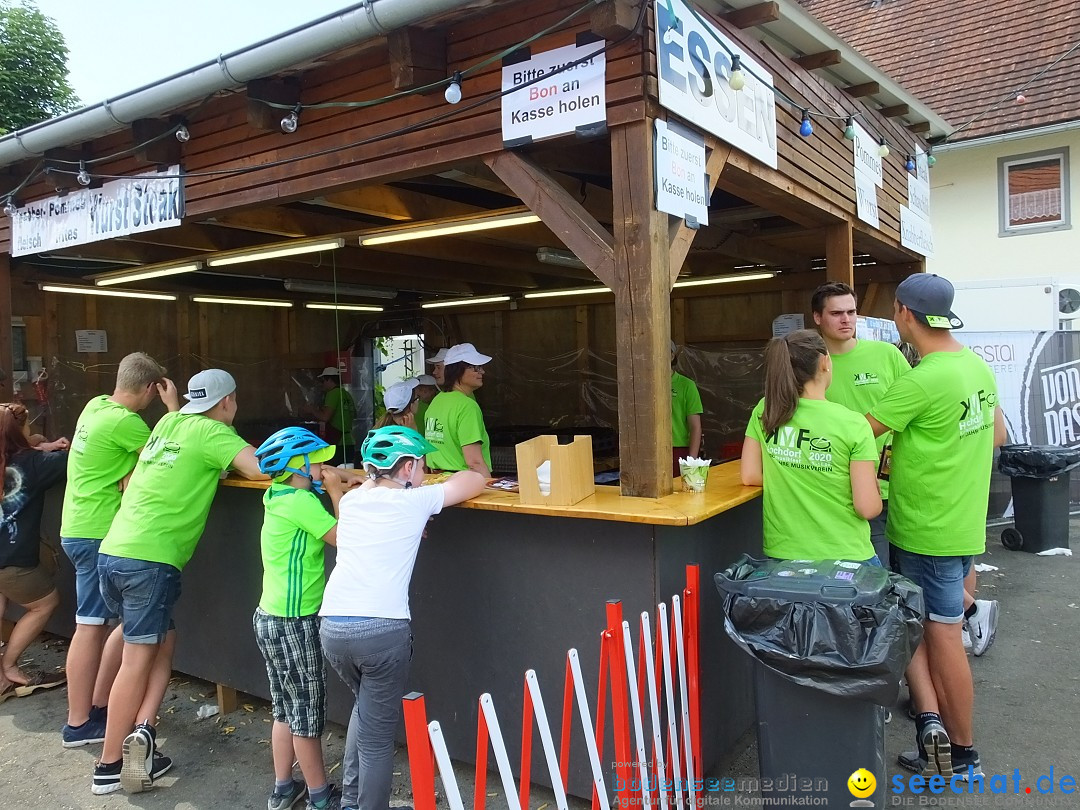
401, 402
26, 475
816, 460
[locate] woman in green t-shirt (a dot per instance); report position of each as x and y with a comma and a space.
818, 468
453, 422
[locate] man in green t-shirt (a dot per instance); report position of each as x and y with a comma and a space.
686, 413
162, 515
108, 438
863, 370
338, 412
946, 422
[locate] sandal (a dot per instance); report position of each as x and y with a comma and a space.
40, 680
8, 691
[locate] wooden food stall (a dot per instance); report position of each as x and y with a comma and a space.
272, 202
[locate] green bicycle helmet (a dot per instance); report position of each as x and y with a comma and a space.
385, 446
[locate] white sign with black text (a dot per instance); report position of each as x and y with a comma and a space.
144, 202
915, 232
866, 203
564, 92
91, 341
867, 156
693, 66
682, 187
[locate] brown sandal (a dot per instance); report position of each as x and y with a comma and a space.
40, 680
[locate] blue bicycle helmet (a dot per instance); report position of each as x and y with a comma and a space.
385, 446
293, 450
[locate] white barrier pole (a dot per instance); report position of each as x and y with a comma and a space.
635, 709
669, 689
587, 726
545, 739
680, 655
446, 770
662, 787
499, 747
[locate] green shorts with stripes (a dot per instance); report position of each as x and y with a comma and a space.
296, 669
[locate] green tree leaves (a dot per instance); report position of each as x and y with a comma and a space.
33, 68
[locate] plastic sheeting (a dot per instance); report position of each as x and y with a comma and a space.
1037, 461
848, 629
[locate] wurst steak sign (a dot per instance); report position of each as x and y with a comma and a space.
694, 67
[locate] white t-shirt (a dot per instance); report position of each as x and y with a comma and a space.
378, 535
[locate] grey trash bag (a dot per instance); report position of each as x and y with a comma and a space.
845, 628
1037, 461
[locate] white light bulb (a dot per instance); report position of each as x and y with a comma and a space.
290, 123
452, 94
737, 80
182, 134
83, 177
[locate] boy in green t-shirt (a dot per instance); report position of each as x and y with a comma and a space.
294, 531
338, 411
108, 438
162, 515
686, 413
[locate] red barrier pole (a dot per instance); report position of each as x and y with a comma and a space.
421, 755
526, 746
567, 718
692, 637
620, 700
480, 791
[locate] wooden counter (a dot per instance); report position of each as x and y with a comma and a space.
722, 492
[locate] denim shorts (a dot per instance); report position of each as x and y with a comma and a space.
90, 607
942, 581
143, 593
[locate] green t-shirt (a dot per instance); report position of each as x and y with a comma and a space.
862, 376
340, 402
808, 509
104, 448
685, 400
942, 417
163, 512
454, 420
294, 576
421, 415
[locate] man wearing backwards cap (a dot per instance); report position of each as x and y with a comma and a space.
337, 412
437, 364
946, 423
162, 515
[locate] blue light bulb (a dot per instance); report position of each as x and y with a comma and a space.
806, 129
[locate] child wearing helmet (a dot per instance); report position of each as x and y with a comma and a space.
295, 529
366, 634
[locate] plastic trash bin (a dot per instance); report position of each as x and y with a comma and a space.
832, 639
1040, 489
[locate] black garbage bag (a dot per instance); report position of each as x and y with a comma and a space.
1037, 461
845, 628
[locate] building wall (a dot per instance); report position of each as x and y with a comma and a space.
965, 214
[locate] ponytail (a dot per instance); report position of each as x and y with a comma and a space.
790, 362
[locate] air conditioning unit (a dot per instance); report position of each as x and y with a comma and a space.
1068, 307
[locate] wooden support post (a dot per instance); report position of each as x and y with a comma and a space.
919, 127
750, 16
7, 357
813, 61
642, 315
226, 699
612, 19
417, 57
284, 91
162, 151
895, 111
863, 90
839, 261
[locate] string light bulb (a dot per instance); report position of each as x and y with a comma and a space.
909, 164
452, 94
849, 129
183, 134
806, 129
83, 177
1021, 98
291, 122
10, 208
883, 148
930, 159
736, 81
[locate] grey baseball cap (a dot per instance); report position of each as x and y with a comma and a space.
206, 389
930, 298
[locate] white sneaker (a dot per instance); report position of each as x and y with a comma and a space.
983, 625
965, 635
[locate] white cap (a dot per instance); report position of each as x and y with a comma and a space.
466, 353
331, 371
206, 389
426, 379
398, 396
439, 357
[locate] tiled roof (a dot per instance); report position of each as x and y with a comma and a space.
964, 57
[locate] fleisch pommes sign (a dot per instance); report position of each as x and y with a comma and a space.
693, 66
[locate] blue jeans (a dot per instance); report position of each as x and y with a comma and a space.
942, 581
90, 607
372, 657
143, 593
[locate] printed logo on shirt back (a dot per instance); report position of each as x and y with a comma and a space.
160, 452
977, 412
78, 441
433, 430
796, 448
866, 378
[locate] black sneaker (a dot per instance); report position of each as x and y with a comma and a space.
92, 731
106, 778
967, 766
142, 764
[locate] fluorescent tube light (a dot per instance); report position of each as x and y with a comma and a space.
244, 302
68, 288
561, 293
344, 307
275, 251
701, 282
464, 302
426, 230
562, 258
330, 288
144, 273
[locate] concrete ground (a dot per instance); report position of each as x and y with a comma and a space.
1027, 713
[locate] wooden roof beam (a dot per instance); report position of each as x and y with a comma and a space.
398, 204
895, 111
612, 19
814, 61
417, 57
750, 16
285, 91
165, 149
863, 90
919, 127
